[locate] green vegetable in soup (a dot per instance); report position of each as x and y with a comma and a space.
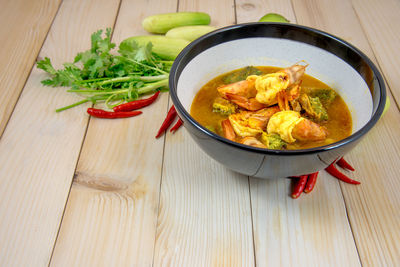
223, 106
272, 141
211, 128
314, 108
325, 95
240, 75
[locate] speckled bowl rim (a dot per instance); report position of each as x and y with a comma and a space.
228, 32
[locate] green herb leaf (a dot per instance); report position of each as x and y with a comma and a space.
99, 75
45, 65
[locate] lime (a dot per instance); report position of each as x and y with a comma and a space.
387, 105
273, 17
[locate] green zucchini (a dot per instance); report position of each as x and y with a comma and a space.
189, 33
166, 48
164, 22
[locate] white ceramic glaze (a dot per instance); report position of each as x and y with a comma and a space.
265, 51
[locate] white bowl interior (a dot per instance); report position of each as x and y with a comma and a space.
263, 51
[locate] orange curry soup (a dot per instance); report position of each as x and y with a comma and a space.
338, 124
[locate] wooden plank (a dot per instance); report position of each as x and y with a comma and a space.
375, 209
39, 148
25, 25
372, 206
312, 230
380, 21
204, 217
111, 215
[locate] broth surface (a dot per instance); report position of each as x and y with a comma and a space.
339, 124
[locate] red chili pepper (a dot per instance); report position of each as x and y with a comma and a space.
344, 164
167, 122
299, 186
312, 179
177, 125
331, 169
137, 103
99, 113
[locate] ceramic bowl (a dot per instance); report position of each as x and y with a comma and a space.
331, 60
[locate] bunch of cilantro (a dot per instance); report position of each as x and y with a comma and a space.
97, 75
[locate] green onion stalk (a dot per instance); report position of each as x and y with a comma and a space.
114, 97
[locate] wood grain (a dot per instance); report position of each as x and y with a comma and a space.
24, 28
380, 21
205, 212
310, 231
204, 216
112, 211
372, 206
39, 148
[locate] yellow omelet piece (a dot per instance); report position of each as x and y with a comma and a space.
268, 86
282, 123
243, 125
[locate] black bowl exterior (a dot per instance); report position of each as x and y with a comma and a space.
266, 163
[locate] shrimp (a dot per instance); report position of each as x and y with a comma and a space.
260, 91
247, 103
307, 130
252, 141
242, 94
260, 118
240, 124
268, 86
295, 72
230, 134
227, 130
247, 123
244, 88
289, 95
289, 125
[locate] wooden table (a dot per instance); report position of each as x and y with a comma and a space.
78, 191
